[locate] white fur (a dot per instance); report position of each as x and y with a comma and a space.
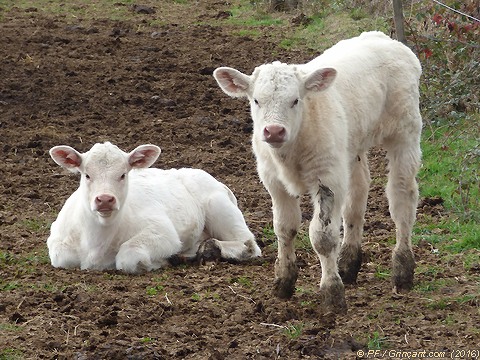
360, 93
157, 213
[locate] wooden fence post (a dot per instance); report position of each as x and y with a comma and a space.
399, 21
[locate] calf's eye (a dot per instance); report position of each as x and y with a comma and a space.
87, 176
123, 176
255, 101
295, 102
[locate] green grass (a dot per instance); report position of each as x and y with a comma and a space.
196, 297
246, 14
376, 341
293, 331
382, 272
154, 290
242, 280
35, 225
433, 285
11, 354
451, 162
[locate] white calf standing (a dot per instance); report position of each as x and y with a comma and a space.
313, 126
134, 220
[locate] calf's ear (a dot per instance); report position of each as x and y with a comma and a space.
233, 82
320, 79
66, 157
143, 156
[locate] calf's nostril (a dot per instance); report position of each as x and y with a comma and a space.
105, 199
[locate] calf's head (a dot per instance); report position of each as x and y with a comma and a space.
276, 93
104, 173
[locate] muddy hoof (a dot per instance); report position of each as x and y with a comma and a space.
403, 265
332, 298
208, 252
283, 289
349, 263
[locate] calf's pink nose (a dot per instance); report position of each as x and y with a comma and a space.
105, 202
274, 133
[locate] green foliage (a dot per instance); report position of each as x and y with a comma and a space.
451, 159
146, 339
447, 44
154, 290
375, 341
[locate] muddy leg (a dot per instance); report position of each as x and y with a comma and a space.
402, 193
286, 221
325, 238
350, 259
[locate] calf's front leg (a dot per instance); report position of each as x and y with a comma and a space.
324, 234
150, 249
286, 221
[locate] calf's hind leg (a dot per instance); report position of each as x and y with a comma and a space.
226, 225
402, 193
350, 259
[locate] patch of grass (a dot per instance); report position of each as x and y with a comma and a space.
269, 237
196, 297
451, 158
248, 15
302, 242
468, 298
146, 339
154, 290
9, 327
306, 303
358, 14
38, 257
242, 280
440, 304
212, 295
302, 290
9, 286
434, 284
7, 258
382, 272
35, 225
293, 331
376, 341
428, 270
11, 354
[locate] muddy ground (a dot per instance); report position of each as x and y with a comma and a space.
78, 81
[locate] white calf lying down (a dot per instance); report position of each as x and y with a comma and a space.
313, 126
126, 217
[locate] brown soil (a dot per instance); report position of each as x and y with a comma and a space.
80, 82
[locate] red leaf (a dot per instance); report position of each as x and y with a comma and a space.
437, 18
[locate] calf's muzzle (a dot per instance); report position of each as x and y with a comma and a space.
274, 134
105, 203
